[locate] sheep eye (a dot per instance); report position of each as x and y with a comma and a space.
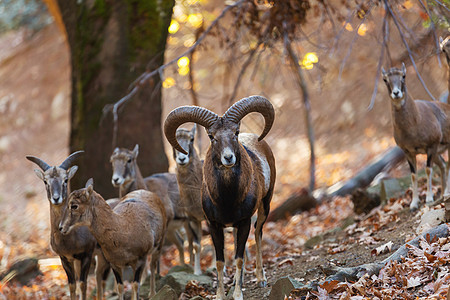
210, 137
74, 206
237, 132
66, 181
129, 161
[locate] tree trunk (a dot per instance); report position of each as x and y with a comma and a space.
111, 44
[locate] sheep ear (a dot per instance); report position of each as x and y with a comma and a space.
383, 71
90, 185
72, 171
194, 129
116, 150
136, 150
403, 68
39, 174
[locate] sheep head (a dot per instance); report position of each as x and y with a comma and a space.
222, 131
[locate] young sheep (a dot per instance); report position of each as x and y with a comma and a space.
127, 234
77, 248
127, 176
420, 127
238, 178
189, 177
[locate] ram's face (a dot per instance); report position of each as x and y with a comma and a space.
122, 161
224, 143
77, 212
56, 182
186, 140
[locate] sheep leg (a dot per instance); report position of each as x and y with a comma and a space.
174, 237
261, 219
190, 236
118, 274
101, 274
137, 277
70, 272
218, 241
195, 229
84, 271
243, 230
429, 171
447, 170
153, 264
441, 164
412, 165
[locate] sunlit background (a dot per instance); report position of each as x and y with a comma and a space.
35, 107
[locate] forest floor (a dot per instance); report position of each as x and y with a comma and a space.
34, 119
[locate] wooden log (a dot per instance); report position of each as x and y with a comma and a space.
303, 200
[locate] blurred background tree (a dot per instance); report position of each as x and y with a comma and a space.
111, 43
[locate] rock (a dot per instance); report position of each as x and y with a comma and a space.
364, 202
23, 271
197, 298
283, 288
166, 293
182, 268
178, 281
314, 241
392, 188
430, 219
447, 211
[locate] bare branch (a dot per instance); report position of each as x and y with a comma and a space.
385, 31
433, 27
143, 78
355, 36
302, 83
389, 9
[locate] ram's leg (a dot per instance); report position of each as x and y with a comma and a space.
174, 237
447, 170
415, 195
441, 164
71, 278
190, 237
85, 265
197, 245
137, 277
243, 230
218, 240
431, 156
101, 273
118, 274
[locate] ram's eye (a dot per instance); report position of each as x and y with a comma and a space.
210, 137
66, 180
129, 161
237, 132
74, 206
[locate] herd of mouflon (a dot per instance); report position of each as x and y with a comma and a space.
234, 181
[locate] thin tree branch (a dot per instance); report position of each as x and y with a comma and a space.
385, 31
433, 27
443, 5
389, 9
302, 83
355, 36
142, 79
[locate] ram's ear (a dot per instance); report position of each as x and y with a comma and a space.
194, 130
90, 186
403, 68
39, 174
72, 171
136, 150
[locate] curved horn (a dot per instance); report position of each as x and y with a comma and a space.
252, 104
69, 160
42, 164
183, 114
